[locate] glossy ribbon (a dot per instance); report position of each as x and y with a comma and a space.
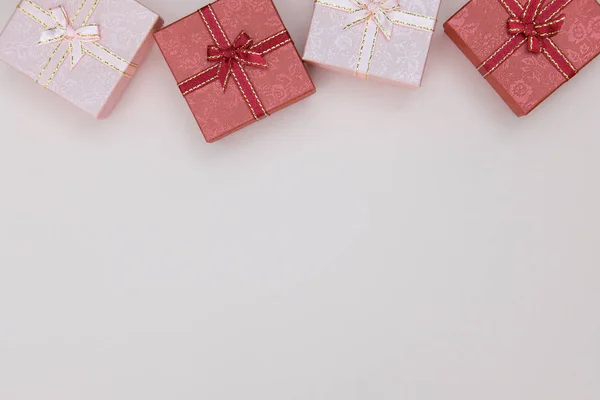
231, 59
74, 37
534, 25
64, 31
377, 16
240, 52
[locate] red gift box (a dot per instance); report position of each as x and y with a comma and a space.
234, 63
527, 50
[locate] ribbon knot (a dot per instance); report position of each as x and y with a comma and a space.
535, 24
377, 10
239, 52
536, 30
230, 60
65, 31
374, 6
70, 33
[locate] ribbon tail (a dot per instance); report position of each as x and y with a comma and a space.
52, 35
534, 44
384, 23
88, 33
224, 72
252, 58
356, 17
77, 52
213, 53
515, 26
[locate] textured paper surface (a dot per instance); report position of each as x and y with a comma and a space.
402, 59
525, 79
285, 80
125, 27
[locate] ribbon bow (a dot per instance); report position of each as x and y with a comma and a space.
529, 24
65, 31
71, 40
241, 52
377, 16
535, 24
377, 10
230, 60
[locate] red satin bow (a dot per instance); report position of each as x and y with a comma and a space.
534, 23
240, 52
230, 60
534, 29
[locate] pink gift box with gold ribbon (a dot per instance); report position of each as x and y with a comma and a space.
383, 39
86, 51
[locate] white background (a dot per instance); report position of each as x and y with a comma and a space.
371, 242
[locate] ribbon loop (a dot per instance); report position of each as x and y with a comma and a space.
535, 26
76, 41
240, 52
230, 60
65, 31
528, 24
379, 11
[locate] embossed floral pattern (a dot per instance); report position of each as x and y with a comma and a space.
217, 112
577, 32
480, 28
401, 59
521, 90
534, 68
594, 28
125, 29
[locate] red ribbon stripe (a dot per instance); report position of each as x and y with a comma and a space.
534, 25
231, 59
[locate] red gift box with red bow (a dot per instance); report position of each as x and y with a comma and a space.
527, 50
235, 63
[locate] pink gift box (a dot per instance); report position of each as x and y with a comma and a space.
384, 39
86, 51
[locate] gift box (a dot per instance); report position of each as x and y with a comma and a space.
234, 63
86, 51
527, 50
382, 39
